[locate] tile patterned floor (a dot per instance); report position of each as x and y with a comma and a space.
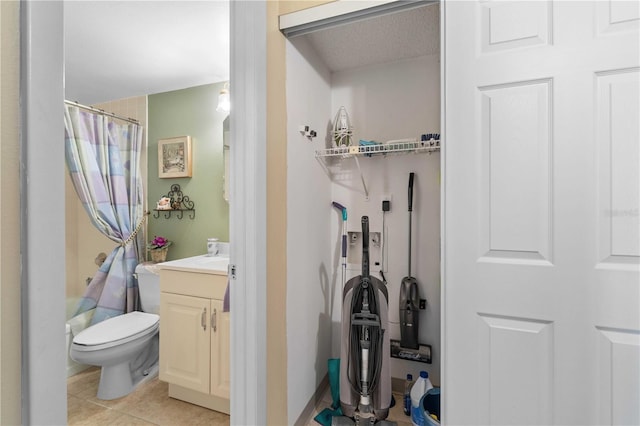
148, 405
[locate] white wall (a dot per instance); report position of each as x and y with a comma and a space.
387, 102
310, 282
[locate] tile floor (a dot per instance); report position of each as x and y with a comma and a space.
151, 405
147, 405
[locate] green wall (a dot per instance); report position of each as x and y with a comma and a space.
189, 112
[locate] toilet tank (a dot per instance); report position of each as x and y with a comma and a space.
149, 287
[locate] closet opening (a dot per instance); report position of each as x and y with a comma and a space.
384, 68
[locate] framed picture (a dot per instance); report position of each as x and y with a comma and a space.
174, 157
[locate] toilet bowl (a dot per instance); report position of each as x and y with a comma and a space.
126, 346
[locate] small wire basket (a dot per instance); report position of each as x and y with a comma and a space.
159, 255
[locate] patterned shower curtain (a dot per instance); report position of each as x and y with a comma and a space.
103, 159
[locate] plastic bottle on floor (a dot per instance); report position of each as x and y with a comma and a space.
421, 386
408, 384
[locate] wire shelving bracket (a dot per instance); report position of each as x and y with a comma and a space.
408, 146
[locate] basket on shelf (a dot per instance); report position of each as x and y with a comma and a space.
159, 255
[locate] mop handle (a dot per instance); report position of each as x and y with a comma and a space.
343, 210
344, 252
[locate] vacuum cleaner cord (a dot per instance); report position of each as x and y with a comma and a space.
372, 334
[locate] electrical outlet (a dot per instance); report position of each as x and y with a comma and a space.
423, 304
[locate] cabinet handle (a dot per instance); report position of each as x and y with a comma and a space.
203, 319
214, 320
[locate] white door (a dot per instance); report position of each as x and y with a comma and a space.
541, 213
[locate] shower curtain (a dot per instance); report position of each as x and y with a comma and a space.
103, 159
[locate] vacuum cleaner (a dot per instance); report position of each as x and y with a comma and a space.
409, 297
365, 380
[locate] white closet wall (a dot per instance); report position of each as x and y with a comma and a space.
385, 102
309, 249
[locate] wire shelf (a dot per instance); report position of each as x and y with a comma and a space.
404, 146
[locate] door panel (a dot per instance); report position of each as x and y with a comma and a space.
507, 25
515, 350
184, 341
619, 351
516, 171
220, 349
618, 171
614, 16
541, 232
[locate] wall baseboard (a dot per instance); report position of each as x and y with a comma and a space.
397, 385
306, 417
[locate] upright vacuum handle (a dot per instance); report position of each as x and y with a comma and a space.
365, 246
411, 191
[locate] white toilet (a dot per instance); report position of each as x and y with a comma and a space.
126, 346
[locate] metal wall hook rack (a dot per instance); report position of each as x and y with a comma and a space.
179, 203
179, 213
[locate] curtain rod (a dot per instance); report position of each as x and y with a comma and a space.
101, 111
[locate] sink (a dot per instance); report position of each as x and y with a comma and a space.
202, 263
212, 261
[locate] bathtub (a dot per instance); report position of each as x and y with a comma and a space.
75, 324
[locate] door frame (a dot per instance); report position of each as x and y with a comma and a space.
248, 211
42, 183
443, 217
42, 280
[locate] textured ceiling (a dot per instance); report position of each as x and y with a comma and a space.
118, 49
400, 35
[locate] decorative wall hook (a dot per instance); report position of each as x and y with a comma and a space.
176, 201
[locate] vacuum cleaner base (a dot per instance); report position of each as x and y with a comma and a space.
348, 421
422, 354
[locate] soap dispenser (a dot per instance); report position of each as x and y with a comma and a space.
212, 247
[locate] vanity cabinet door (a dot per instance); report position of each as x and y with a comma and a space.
220, 345
185, 339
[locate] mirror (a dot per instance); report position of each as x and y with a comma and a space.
225, 148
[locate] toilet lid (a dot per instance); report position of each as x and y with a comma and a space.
116, 328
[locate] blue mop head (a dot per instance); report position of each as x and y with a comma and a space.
324, 417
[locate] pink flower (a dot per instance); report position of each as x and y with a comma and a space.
158, 243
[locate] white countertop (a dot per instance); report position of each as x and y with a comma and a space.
216, 265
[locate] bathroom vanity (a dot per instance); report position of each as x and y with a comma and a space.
194, 331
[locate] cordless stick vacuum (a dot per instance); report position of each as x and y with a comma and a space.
409, 297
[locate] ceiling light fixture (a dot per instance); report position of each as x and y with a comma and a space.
224, 101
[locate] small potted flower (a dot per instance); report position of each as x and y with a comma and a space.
158, 247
